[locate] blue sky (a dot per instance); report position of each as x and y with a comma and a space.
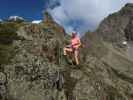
74, 15
30, 9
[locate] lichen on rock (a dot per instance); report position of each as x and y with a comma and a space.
39, 71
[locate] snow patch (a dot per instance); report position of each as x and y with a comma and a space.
124, 42
15, 18
1, 20
36, 21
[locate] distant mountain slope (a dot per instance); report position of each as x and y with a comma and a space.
112, 28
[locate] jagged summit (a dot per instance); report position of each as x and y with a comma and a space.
112, 28
49, 22
129, 5
127, 9
47, 17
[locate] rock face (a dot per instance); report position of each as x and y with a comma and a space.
39, 71
112, 28
110, 71
49, 21
112, 64
33, 73
129, 30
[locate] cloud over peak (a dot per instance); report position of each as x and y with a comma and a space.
83, 15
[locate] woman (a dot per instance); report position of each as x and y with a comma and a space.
74, 47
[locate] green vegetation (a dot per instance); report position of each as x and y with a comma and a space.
8, 33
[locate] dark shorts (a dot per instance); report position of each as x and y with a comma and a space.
75, 50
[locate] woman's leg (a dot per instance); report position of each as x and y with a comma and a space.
76, 54
67, 50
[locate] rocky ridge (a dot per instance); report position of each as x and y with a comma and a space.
39, 71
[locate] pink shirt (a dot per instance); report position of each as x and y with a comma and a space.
75, 42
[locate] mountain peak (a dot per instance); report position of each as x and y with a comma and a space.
1, 20
127, 10
47, 17
15, 18
129, 5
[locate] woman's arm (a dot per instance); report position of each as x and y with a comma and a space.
79, 44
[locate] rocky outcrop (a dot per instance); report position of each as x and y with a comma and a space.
35, 71
112, 68
39, 71
109, 71
49, 21
3, 86
112, 28
129, 30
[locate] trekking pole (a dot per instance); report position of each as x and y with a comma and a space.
59, 54
59, 61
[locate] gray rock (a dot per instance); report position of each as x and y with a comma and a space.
38, 70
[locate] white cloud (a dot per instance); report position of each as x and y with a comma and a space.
59, 14
89, 12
